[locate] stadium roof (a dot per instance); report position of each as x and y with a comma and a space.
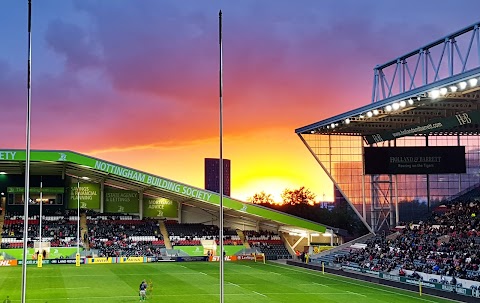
412, 112
68, 163
431, 90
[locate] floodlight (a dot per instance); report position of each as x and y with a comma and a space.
347, 121
388, 108
453, 88
85, 178
2, 173
434, 94
462, 85
361, 116
395, 106
332, 125
410, 101
375, 112
369, 114
443, 91
403, 103
473, 82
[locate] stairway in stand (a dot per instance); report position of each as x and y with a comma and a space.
84, 230
163, 230
242, 238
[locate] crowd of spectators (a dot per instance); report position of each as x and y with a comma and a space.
181, 234
114, 235
446, 244
57, 228
114, 238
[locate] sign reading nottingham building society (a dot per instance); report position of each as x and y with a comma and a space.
121, 201
89, 196
159, 208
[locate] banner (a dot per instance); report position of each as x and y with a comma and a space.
432, 126
66, 261
415, 160
159, 208
100, 260
226, 258
89, 196
8, 262
33, 262
121, 201
403, 279
45, 190
132, 260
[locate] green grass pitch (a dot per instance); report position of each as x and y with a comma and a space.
195, 282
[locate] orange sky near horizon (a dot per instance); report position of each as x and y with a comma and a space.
255, 166
136, 82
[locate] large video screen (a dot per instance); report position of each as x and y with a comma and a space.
415, 160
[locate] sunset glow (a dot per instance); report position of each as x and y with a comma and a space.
136, 82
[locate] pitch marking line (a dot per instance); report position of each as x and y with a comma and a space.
354, 293
202, 273
259, 293
68, 287
233, 284
319, 284
353, 283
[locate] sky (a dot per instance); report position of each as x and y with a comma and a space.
137, 82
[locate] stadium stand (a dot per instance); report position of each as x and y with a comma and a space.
269, 243
115, 236
447, 244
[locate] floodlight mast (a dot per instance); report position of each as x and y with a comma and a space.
26, 197
220, 164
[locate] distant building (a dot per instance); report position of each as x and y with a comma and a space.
212, 175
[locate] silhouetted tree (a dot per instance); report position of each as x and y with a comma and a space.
260, 198
298, 196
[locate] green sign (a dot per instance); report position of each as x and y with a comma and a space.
159, 208
160, 183
45, 190
89, 194
121, 201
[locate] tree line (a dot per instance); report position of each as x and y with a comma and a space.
301, 203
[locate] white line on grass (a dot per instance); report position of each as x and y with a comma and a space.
182, 266
259, 293
83, 298
319, 284
68, 287
353, 283
202, 273
355, 293
234, 284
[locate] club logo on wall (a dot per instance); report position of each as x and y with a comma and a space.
63, 157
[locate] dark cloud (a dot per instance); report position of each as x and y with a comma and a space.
72, 42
